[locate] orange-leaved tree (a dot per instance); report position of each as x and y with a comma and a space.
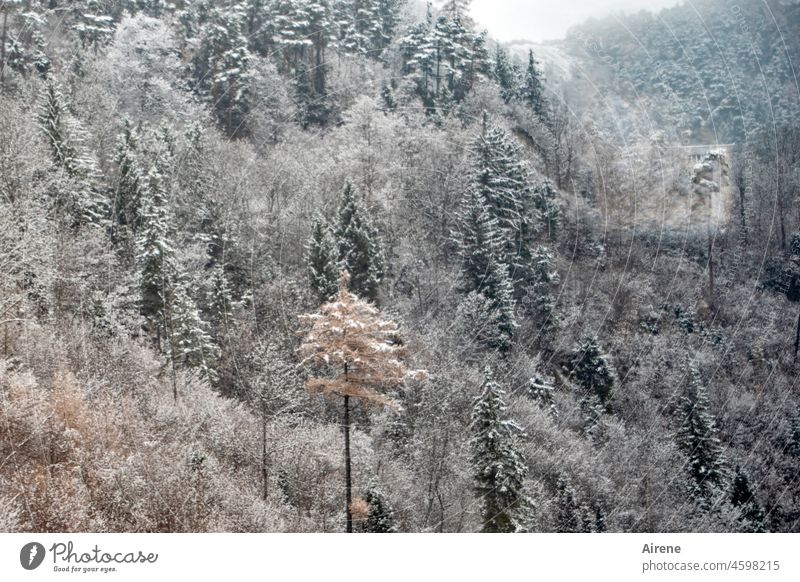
358, 354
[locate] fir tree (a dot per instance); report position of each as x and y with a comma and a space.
126, 205
80, 198
532, 90
94, 28
220, 301
223, 67
568, 517
155, 253
322, 261
500, 176
751, 515
381, 515
482, 269
506, 74
697, 437
499, 469
190, 343
546, 204
540, 300
592, 369
360, 250
541, 391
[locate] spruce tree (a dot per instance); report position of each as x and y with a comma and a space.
546, 204
322, 261
697, 437
189, 343
155, 254
501, 176
541, 391
223, 67
532, 90
80, 197
506, 74
499, 468
592, 370
483, 272
360, 251
126, 204
568, 518
540, 299
751, 515
381, 515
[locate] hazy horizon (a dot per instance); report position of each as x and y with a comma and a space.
537, 21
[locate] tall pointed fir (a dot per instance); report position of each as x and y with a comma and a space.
483, 272
360, 251
126, 204
499, 469
697, 438
568, 514
751, 515
539, 297
359, 357
506, 74
501, 176
592, 370
545, 203
223, 67
532, 89
78, 196
322, 260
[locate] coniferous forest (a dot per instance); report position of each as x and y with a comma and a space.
355, 265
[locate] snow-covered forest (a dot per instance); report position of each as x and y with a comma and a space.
354, 265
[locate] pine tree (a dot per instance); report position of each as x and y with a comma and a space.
80, 198
322, 260
751, 515
155, 254
381, 515
94, 28
506, 74
126, 205
532, 90
697, 437
501, 177
189, 343
483, 272
541, 391
359, 354
539, 296
592, 369
220, 301
360, 250
499, 469
546, 204
568, 518
223, 67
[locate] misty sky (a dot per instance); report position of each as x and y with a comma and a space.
539, 20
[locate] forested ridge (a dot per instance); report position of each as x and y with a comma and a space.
334, 265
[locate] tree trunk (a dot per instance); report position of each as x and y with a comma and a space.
348, 492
